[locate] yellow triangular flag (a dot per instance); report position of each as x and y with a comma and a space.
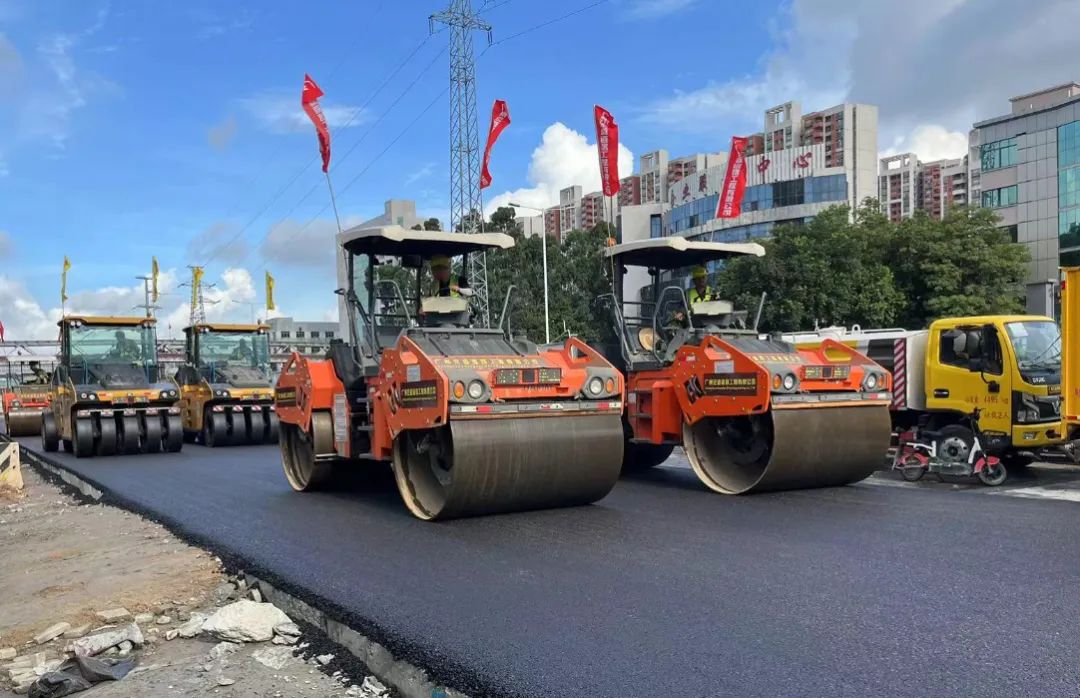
63, 280
270, 292
153, 279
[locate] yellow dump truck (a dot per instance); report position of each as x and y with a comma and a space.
1009, 366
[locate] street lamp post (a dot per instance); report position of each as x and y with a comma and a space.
547, 318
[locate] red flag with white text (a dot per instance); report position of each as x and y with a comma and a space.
607, 145
309, 99
1, 331
734, 186
500, 119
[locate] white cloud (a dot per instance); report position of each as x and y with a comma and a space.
919, 61
652, 9
231, 297
22, 316
930, 142
310, 244
220, 135
218, 243
564, 158
280, 112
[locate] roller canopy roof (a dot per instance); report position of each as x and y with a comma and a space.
673, 252
396, 241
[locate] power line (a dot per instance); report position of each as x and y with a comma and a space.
542, 24
314, 158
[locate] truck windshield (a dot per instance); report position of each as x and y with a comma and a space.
1037, 344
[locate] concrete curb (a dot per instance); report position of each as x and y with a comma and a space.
406, 679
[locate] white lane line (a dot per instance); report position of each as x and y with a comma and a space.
1039, 493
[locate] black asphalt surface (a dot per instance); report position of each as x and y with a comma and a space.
662, 589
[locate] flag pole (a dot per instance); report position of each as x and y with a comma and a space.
333, 201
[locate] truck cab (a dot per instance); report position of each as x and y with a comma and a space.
1009, 366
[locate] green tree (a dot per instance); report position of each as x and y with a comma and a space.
432, 224
826, 272
962, 265
504, 220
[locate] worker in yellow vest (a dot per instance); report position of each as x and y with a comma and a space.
447, 284
700, 293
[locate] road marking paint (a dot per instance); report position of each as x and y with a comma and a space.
1070, 495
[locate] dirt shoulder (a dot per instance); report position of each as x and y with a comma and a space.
65, 565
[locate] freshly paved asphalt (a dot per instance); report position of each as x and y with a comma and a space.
662, 589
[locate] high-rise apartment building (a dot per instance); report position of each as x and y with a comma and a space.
654, 173
905, 184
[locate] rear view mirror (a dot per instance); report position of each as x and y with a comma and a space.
975, 364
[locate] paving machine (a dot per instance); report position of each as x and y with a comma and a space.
226, 391
752, 413
474, 420
107, 397
1008, 366
23, 396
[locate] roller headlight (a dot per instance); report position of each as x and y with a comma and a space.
595, 386
871, 381
789, 382
84, 396
476, 390
16, 403
223, 393
459, 390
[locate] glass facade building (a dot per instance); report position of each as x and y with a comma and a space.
1068, 152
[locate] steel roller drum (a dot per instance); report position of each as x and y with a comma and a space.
24, 423
789, 449
490, 466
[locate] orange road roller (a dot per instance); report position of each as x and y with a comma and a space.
753, 413
474, 420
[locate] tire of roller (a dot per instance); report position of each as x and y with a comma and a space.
82, 437
256, 425
151, 424
106, 441
238, 428
127, 438
806, 448
215, 429
273, 428
504, 465
173, 440
50, 435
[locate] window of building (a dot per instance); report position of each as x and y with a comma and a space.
330, 335
1069, 187
1069, 144
1069, 228
656, 226
300, 334
994, 156
999, 198
1012, 232
314, 334
285, 334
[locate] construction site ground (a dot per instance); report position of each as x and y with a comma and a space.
65, 561
661, 588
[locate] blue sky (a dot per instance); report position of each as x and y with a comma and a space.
151, 127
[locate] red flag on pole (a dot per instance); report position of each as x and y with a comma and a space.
607, 145
731, 193
500, 119
1, 331
309, 99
